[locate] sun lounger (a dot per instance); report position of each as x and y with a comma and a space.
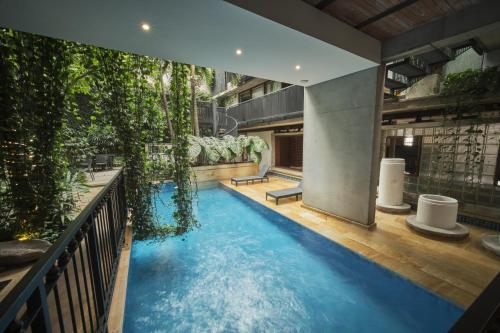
260, 176
286, 193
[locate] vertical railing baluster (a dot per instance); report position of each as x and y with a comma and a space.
62, 262
51, 279
80, 237
38, 303
102, 247
91, 274
73, 247
111, 223
96, 267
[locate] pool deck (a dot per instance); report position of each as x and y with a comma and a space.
456, 270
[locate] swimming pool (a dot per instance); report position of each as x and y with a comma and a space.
250, 269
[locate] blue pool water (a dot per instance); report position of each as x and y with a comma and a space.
249, 269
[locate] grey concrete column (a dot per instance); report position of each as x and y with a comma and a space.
342, 119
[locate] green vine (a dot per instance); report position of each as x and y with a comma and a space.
466, 89
33, 103
52, 92
180, 108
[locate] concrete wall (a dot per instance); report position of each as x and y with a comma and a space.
267, 155
492, 59
467, 60
208, 173
341, 145
428, 86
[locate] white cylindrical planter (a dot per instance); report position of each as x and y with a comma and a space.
390, 188
437, 215
437, 211
492, 243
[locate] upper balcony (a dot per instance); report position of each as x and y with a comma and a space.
283, 104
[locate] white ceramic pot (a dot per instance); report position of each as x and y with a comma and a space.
437, 211
390, 187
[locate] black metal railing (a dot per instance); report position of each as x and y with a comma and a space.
69, 289
484, 314
282, 103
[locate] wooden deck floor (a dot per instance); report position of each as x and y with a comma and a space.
458, 271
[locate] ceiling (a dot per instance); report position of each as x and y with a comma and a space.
201, 32
383, 19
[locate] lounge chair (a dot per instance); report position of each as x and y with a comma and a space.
286, 193
260, 176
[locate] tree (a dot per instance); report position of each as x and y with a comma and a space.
198, 75
164, 95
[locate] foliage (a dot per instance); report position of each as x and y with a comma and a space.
35, 77
72, 185
64, 101
203, 96
198, 76
158, 170
123, 82
226, 149
466, 88
472, 82
102, 137
75, 147
181, 122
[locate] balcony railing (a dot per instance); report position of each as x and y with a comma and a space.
69, 288
282, 104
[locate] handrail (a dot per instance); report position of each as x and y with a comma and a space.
96, 233
484, 314
268, 94
235, 127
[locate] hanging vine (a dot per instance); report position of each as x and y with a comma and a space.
466, 89
35, 74
51, 92
181, 123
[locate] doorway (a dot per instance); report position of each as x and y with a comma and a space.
288, 151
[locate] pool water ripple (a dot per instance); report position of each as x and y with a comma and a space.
249, 269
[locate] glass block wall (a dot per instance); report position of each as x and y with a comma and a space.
455, 160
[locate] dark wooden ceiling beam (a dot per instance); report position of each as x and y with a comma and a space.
324, 3
385, 13
473, 21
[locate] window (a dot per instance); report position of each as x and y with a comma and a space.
407, 147
245, 96
272, 86
258, 91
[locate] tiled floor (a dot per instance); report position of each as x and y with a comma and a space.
458, 271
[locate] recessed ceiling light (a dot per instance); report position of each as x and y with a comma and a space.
239, 52
297, 67
304, 81
145, 26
